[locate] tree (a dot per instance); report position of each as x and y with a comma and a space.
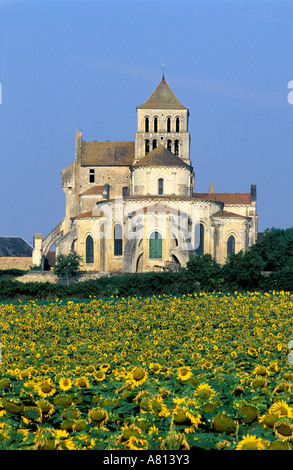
205, 270
67, 265
275, 247
243, 270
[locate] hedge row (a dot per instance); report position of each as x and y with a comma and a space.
143, 284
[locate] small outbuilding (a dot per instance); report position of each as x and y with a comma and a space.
15, 253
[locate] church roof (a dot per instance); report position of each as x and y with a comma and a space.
226, 198
156, 208
83, 215
15, 246
162, 98
224, 213
161, 156
107, 153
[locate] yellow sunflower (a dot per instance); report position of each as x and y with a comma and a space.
2, 410
45, 388
284, 430
129, 431
252, 351
259, 382
182, 416
261, 370
204, 391
24, 432
279, 445
65, 384
157, 407
184, 373
100, 375
175, 441
281, 409
268, 420
82, 382
138, 376
90, 370
250, 443
79, 425
134, 443
105, 366
46, 407
98, 416
155, 367
59, 433
207, 365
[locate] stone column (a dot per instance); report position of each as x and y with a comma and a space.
38, 249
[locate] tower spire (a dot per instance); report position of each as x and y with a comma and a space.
163, 67
212, 188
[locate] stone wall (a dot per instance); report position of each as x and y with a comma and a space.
38, 276
176, 180
47, 276
116, 176
15, 262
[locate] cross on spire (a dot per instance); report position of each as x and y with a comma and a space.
163, 67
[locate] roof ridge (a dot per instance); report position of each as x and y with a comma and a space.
161, 155
162, 98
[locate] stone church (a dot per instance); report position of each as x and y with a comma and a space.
133, 206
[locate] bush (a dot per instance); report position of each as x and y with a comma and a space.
278, 280
275, 247
243, 270
203, 269
12, 272
67, 265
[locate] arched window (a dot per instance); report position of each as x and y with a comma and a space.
199, 239
147, 124
176, 147
231, 245
169, 145
168, 124
177, 124
155, 245
160, 186
155, 124
89, 249
147, 146
117, 240
155, 143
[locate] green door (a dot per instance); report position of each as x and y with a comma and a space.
155, 245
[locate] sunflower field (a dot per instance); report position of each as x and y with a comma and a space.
199, 371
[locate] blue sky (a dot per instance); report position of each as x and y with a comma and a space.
76, 64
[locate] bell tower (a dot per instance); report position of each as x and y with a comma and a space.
162, 119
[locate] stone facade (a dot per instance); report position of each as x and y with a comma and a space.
132, 206
16, 262
15, 253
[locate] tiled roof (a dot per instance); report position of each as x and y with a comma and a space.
162, 98
94, 190
107, 153
155, 208
226, 198
83, 215
15, 246
224, 213
161, 156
